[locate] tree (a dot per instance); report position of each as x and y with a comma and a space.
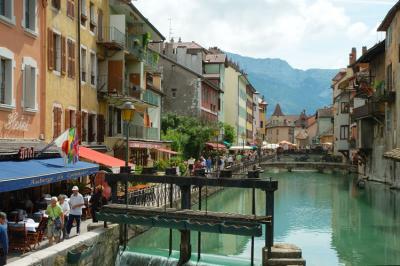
230, 134
188, 133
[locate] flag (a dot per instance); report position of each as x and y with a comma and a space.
68, 144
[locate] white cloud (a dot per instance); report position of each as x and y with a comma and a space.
307, 33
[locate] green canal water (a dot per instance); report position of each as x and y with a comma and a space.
333, 221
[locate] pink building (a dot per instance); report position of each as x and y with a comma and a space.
22, 73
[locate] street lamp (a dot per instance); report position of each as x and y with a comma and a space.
221, 133
128, 111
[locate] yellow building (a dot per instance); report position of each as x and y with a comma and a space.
71, 92
249, 113
235, 99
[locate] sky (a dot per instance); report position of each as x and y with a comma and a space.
306, 33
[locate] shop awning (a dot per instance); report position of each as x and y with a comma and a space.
393, 154
168, 151
100, 158
16, 175
216, 146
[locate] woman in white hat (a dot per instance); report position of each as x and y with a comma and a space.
76, 202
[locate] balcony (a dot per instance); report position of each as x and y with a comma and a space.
151, 59
109, 85
151, 98
134, 47
141, 132
111, 38
369, 110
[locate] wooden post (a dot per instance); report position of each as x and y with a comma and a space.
185, 246
269, 211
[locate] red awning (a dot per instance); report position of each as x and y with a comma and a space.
144, 145
100, 158
168, 151
216, 146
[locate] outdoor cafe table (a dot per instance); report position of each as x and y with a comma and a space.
29, 225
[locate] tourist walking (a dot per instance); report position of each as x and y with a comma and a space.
3, 239
65, 208
97, 200
55, 221
191, 162
76, 202
209, 164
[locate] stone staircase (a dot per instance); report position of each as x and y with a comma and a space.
284, 255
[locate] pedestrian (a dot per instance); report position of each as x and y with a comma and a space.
191, 162
55, 221
3, 239
209, 164
65, 208
97, 200
76, 202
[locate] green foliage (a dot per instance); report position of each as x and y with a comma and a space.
230, 133
161, 165
188, 134
138, 169
173, 162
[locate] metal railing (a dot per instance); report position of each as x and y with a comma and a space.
134, 47
141, 132
151, 59
368, 110
151, 97
112, 35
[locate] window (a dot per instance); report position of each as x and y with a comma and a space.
57, 112
344, 132
91, 127
93, 69
5, 81
93, 19
84, 126
70, 118
29, 21
71, 8
83, 13
56, 4
388, 37
261, 124
83, 64
277, 132
29, 87
344, 108
173, 93
100, 25
56, 52
6, 10
389, 78
71, 58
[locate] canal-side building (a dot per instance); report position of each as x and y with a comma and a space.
188, 93
290, 128
262, 107
250, 105
342, 85
22, 75
128, 71
235, 98
324, 121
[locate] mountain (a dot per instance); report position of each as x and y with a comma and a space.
294, 89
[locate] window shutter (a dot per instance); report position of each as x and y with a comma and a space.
50, 50
79, 125
55, 111
72, 60
67, 119
63, 57
72, 8
100, 25
59, 121
101, 128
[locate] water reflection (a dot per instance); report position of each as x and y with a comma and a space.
326, 215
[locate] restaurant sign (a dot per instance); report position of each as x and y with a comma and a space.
144, 145
26, 153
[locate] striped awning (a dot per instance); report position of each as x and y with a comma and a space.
393, 154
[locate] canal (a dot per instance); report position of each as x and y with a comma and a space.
333, 221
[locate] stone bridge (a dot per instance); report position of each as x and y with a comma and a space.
322, 167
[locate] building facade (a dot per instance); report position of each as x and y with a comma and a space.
22, 72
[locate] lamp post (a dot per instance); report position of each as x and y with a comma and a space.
128, 111
221, 133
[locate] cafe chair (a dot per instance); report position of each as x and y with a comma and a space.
35, 238
18, 238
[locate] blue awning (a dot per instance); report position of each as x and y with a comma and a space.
16, 175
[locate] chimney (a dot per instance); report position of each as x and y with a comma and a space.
364, 49
353, 56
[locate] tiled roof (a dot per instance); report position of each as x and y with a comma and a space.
389, 17
188, 45
278, 111
393, 154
